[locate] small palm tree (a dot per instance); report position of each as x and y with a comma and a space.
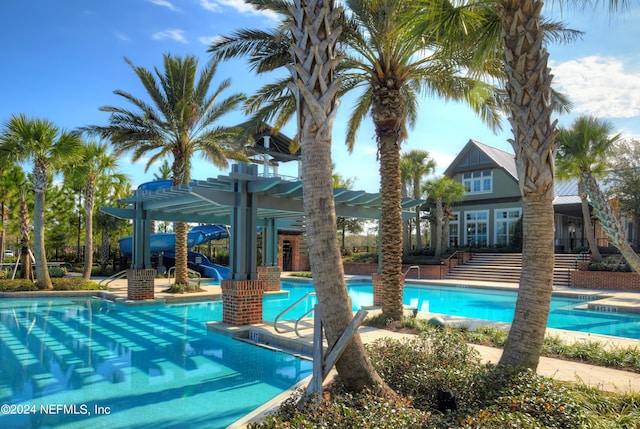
582, 153
180, 122
40, 142
418, 164
94, 167
443, 191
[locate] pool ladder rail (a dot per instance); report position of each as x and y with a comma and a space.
296, 321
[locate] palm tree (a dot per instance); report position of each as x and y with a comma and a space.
180, 122
93, 168
530, 107
418, 165
40, 142
582, 152
443, 191
164, 171
314, 33
392, 67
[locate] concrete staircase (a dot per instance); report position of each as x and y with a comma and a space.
507, 268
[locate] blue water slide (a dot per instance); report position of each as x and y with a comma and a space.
163, 242
202, 264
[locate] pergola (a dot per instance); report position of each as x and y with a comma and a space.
245, 201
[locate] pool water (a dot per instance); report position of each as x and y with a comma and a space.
487, 304
77, 363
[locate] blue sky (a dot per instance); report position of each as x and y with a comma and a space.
62, 60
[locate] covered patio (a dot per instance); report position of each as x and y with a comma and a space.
247, 202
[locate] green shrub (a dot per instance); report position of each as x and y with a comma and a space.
73, 283
57, 272
25, 285
17, 285
421, 366
345, 410
306, 274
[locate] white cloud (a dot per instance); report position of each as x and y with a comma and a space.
239, 5
122, 36
599, 86
209, 40
164, 3
209, 5
174, 34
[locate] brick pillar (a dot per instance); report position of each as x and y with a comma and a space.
376, 279
140, 284
271, 276
242, 301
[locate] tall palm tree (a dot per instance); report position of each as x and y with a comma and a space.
514, 32
40, 142
530, 107
392, 66
582, 153
180, 121
418, 165
442, 191
313, 30
94, 167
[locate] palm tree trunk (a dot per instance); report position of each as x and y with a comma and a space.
43, 280
588, 226
416, 194
439, 229
610, 222
89, 203
391, 226
26, 269
315, 36
182, 274
104, 250
529, 91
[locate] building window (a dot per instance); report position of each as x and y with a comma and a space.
476, 225
454, 229
478, 182
506, 220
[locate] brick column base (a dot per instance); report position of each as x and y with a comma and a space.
376, 279
271, 276
140, 284
242, 301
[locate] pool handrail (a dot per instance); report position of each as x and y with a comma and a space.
111, 278
195, 273
291, 307
417, 267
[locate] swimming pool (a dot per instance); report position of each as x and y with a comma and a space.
78, 362
487, 304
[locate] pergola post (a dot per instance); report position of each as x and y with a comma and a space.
141, 276
242, 293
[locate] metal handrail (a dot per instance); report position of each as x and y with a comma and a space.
291, 307
295, 326
410, 268
111, 278
189, 270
